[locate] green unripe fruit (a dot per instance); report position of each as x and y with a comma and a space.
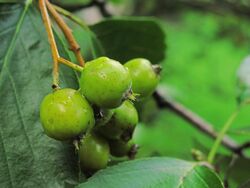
65, 114
144, 76
104, 116
122, 123
105, 82
93, 153
118, 148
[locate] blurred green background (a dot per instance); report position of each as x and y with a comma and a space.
203, 55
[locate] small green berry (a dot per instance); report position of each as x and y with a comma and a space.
122, 123
105, 82
118, 148
93, 153
144, 76
65, 114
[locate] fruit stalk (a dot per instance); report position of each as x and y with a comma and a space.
74, 46
55, 53
70, 64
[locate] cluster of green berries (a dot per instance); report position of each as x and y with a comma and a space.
101, 114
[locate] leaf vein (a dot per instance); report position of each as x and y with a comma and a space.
19, 111
199, 176
185, 175
17, 30
7, 30
6, 159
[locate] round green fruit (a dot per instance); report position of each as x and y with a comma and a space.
65, 114
122, 123
145, 76
105, 82
93, 153
118, 148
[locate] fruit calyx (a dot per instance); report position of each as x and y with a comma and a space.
157, 69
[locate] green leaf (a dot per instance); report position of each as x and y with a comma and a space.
155, 172
28, 157
90, 45
126, 38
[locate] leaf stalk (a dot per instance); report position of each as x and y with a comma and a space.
221, 135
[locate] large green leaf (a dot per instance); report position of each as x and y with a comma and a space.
28, 157
156, 173
126, 38
90, 45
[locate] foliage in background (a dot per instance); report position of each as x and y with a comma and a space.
200, 71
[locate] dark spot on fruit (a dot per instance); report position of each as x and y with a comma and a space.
54, 86
126, 135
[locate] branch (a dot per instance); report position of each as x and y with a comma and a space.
199, 123
74, 46
243, 147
